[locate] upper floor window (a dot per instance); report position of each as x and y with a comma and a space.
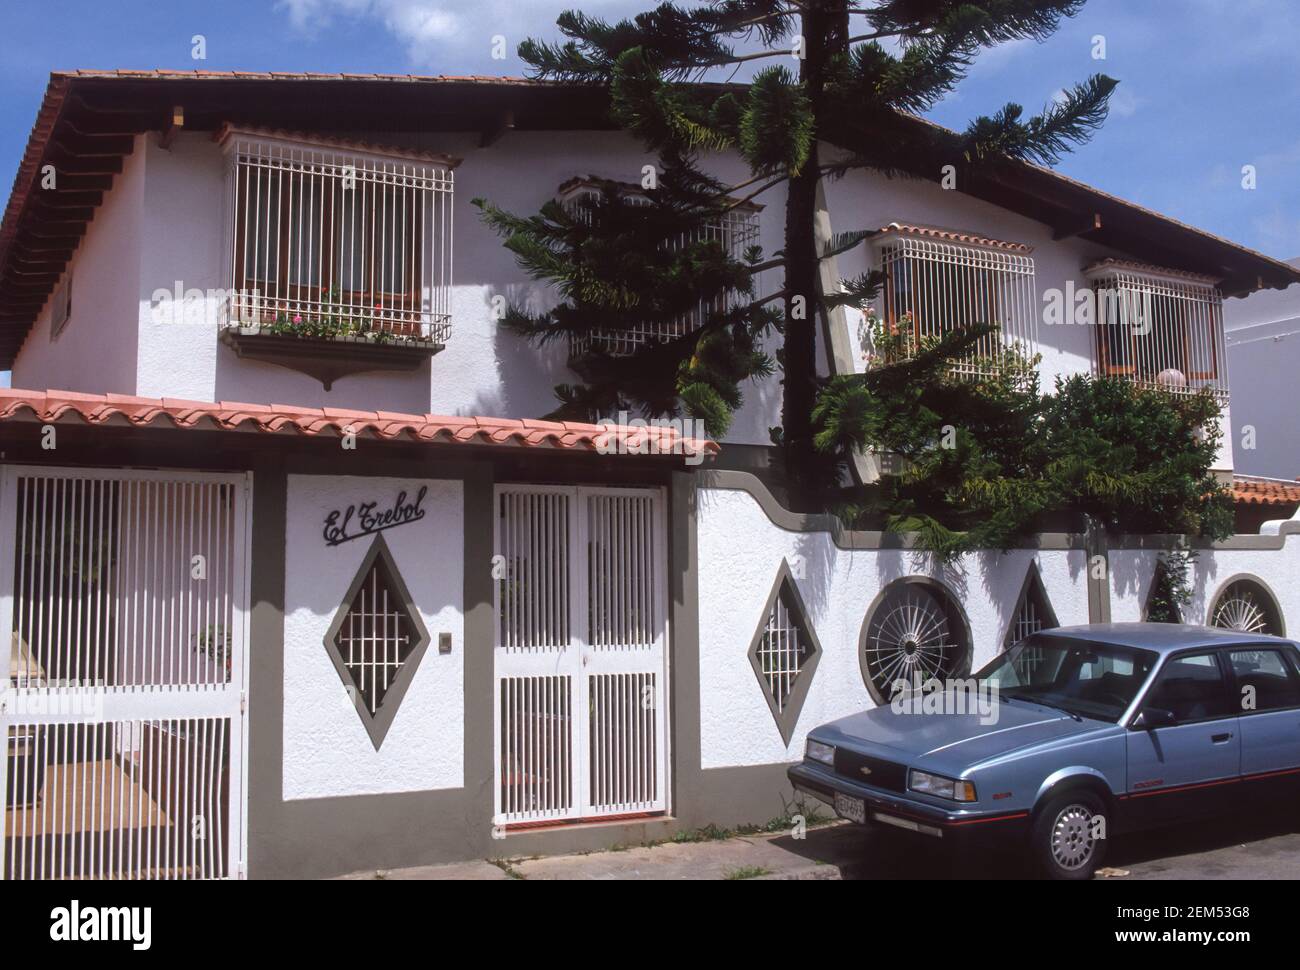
735, 231
937, 281
1159, 328
337, 239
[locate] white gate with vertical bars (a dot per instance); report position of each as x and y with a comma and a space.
123, 605
580, 695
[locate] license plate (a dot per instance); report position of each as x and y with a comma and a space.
854, 809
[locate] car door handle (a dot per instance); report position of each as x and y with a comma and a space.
1220, 738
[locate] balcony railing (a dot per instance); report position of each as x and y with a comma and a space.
328, 240
935, 286
1161, 329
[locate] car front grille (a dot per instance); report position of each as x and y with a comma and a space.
876, 772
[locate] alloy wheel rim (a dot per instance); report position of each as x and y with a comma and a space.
1072, 840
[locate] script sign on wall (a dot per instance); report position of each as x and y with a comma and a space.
366, 518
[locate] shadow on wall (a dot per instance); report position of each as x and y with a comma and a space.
526, 372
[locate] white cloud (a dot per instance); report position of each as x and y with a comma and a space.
449, 32
419, 24
1123, 103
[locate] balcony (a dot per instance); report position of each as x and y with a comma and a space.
339, 255
940, 280
1161, 329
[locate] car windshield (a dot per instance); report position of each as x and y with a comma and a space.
1095, 680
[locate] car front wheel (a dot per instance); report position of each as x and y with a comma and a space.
1069, 836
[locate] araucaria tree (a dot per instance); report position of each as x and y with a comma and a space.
661, 314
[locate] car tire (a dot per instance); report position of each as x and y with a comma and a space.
1064, 841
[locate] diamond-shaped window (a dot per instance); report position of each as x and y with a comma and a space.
784, 652
376, 641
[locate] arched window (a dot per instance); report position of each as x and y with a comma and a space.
1244, 603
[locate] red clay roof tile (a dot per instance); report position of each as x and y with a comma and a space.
1254, 491
53, 405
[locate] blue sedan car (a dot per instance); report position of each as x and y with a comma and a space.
1090, 731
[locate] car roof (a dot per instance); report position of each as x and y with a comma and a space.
1162, 638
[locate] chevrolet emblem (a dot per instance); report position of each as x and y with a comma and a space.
865, 770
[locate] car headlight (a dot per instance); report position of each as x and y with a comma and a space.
928, 784
817, 751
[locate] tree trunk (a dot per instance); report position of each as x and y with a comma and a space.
824, 27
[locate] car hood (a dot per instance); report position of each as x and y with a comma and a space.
966, 738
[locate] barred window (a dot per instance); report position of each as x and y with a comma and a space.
934, 285
1160, 329
735, 231
327, 234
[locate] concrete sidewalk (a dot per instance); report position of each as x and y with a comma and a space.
1256, 845
826, 852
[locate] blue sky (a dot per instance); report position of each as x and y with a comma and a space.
1207, 86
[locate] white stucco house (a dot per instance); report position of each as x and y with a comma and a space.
335, 598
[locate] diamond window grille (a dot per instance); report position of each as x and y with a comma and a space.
377, 640
1033, 614
784, 652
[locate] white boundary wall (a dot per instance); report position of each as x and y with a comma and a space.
740, 552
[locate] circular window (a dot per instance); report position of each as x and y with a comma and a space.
914, 631
1246, 604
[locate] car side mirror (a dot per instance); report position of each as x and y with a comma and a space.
1153, 717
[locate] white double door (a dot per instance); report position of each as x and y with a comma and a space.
580, 680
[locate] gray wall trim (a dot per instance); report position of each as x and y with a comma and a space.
684, 643
848, 539
480, 645
1098, 586
757, 488
266, 668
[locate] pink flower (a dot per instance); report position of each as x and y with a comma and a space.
379, 306
297, 318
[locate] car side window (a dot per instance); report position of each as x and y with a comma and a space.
1192, 687
1266, 681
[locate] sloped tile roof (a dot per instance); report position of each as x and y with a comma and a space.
954, 236
1258, 491
116, 409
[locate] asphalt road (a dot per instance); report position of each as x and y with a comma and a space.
1237, 847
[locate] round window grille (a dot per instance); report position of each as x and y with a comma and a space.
1246, 606
914, 631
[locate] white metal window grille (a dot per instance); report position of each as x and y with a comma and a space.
123, 597
938, 287
580, 653
376, 636
734, 231
782, 651
1160, 332
118, 800
339, 239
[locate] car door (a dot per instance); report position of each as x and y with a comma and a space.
1184, 768
1268, 694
